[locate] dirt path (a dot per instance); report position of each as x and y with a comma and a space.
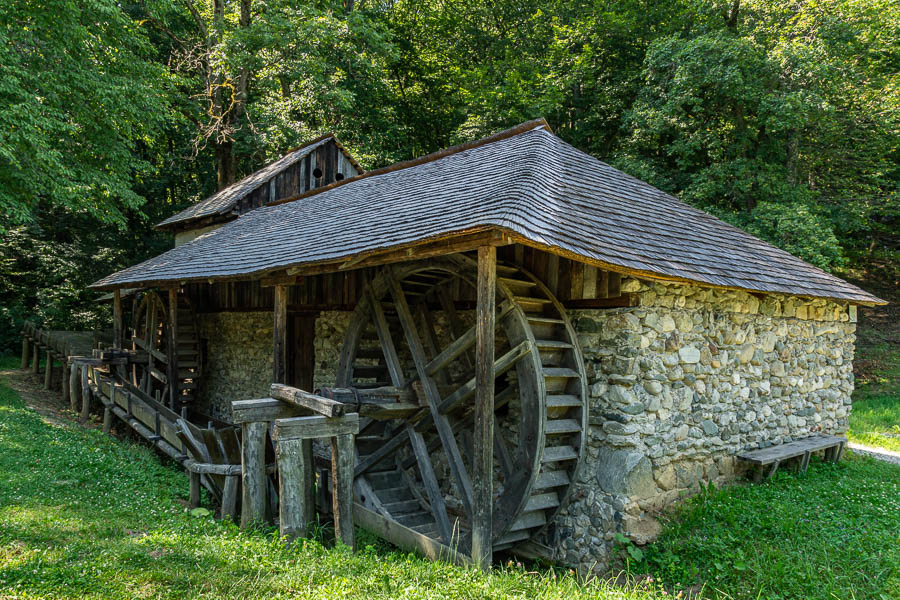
47, 403
877, 453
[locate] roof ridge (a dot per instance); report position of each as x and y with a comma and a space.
539, 123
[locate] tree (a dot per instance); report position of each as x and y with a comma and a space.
77, 94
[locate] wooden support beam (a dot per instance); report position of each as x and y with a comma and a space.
314, 427
117, 319
483, 467
429, 480
295, 478
194, 500
253, 469
279, 364
172, 372
262, 409
342, 459
85, 395
64, 381
26, 351
35, 365
74, 385
323, 406
48, 371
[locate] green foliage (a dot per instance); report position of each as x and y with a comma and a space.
78, 94
832, 533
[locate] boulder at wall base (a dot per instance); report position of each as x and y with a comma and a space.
626, 472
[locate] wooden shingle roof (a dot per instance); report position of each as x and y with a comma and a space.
526, 183
223, 201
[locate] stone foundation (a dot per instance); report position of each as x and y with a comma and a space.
683, 382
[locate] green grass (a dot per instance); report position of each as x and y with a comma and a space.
831, 533
875, 418
85, 515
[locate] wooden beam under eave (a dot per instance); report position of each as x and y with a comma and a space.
117, 319
279, 342
483, 450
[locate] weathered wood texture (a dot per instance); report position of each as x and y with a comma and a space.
279, 343
483, 451
253, 469
295, 483
767, 460
405, 537
342, 460
302, 399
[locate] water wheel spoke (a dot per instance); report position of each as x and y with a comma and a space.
432, 488
501, 366
457, 468
387, 342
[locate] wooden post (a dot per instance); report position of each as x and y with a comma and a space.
74, 386
279, 363
253, 471
172, 372
342, 463
483, 467
48, 371
35, 365
229, 497
194, 489
65, 382
117, 319
107, 419
85, 395
26, 351
295, 501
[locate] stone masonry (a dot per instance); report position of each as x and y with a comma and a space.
683, 382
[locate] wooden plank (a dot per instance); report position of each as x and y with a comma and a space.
324, 406
295, 477
553, 273
342, 459
262, 409
615, 284
432, 487
590, 282
483, 450
384, 337
279, 363
577, 291
85, 396
602, 284
619, 301
315, 427
782, 452
253, 469
458, 470
407, 538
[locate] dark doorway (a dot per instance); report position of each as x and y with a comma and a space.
301, 359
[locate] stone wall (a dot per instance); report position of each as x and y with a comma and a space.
238, 360
330, 329
683, 382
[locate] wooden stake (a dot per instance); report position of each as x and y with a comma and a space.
279, 364
35, 365
85, 395
194, 489
107, 419
64, 382
483, 467
342, 459
253, 469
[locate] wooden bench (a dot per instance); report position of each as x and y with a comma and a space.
773, 456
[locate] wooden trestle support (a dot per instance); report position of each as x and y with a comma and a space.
416, 457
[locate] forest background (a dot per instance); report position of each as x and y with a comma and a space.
779, 116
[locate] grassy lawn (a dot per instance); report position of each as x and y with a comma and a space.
875, 418
86, 515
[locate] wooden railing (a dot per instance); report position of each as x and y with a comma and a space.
294, 418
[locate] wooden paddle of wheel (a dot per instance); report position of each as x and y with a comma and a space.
411, 325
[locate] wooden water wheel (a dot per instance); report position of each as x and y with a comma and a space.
415, 322
150, 334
